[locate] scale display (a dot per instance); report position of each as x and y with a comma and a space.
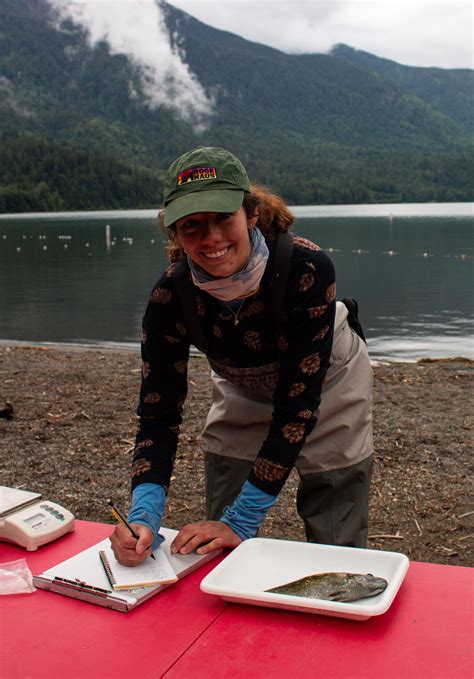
29, 521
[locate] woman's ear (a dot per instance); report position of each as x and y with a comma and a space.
174, 242
252, 222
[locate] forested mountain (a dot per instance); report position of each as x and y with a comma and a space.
346, 127
449, 91
37, 176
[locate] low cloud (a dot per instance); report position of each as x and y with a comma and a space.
136, 29
413, 32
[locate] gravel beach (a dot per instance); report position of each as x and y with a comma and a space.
71, 431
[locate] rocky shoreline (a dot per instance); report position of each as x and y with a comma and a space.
72, 428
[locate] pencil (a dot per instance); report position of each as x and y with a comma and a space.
121, 519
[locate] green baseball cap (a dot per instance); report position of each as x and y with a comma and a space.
206, 179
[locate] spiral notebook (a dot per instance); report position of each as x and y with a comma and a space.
148, 573
84, 577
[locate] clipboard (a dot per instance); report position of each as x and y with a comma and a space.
83, 577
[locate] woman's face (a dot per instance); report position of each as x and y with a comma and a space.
218, 242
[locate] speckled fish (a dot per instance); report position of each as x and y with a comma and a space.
334, 586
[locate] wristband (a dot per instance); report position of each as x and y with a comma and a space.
148, 506
249, 509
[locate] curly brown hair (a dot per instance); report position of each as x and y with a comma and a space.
273, 216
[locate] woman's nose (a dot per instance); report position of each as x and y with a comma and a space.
211, 231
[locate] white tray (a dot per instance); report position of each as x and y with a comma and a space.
259, 564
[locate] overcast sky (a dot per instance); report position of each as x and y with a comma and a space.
412, 32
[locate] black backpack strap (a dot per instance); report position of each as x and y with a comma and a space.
187, 297
281, 268
353, 316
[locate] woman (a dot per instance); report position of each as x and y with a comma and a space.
272, 381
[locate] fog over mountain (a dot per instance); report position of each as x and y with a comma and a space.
137, 30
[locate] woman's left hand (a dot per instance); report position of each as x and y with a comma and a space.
204, 536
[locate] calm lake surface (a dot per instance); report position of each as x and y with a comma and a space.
85, 277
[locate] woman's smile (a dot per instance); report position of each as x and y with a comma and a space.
216, 255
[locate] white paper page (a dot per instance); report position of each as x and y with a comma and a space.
148, 573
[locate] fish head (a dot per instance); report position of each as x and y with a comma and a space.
372, 584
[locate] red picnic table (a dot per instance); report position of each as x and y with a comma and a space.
184, 633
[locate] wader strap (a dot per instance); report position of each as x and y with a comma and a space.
353, 316
187, 297
281, 268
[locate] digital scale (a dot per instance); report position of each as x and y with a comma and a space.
29, 521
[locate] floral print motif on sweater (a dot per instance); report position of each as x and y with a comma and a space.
298, 356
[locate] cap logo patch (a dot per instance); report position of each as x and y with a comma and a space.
196, 174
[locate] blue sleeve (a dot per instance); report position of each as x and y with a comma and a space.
148, 506
248, 511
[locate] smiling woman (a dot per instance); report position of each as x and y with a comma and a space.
292, 389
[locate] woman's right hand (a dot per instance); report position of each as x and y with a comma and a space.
127, 550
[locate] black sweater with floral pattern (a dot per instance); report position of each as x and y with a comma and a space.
300, 352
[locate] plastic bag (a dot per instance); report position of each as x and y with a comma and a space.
16, 578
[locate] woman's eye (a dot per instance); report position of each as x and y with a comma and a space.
223, 216
188, 227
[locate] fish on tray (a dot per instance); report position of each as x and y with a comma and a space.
334, 586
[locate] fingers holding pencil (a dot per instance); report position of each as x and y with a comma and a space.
127, 549
139, 533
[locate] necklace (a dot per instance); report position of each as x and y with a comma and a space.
235, 314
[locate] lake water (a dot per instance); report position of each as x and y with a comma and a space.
85, 277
